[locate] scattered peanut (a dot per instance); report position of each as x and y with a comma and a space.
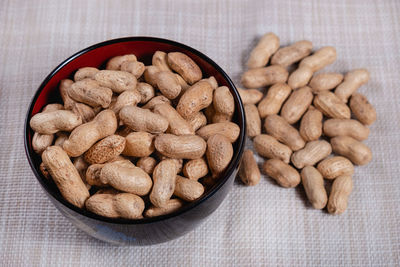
333, 167
289, 55
265, 48
312, 153
297, 104
346, 127
331, 106
313, 184
284, 174
273, 101
260, 77
253, 121
267, 146
250, 96
325, 81
352, 81
340, 192
311, 125
362, 109
357, 152
249, 172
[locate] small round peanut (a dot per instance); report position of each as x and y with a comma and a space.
279, 128
147, 164
357, 152
168, 84
180, 147
116, 62
289, 55
266, 47
106, 149
197, 121
185, 66
177, 124
160, 60
253, 120
249, 172
65, 176
135, 68
90, 92
347, 127
188, 189
170, 206
139, 119
297, 104
250, 96
197, 97
273, 101
195, 169
362, 109
164, 177
333, 167
267, 146
157, 100
352, 81
340, 192
51, 122
325, 81
139, 144
313, 184
223, 101
146, 92
331, 106
41, 141
284, 174
312, 153
261, 77
117, 81
85, 73
311, 125
219, 153
228, 129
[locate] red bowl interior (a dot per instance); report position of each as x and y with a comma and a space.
97, 56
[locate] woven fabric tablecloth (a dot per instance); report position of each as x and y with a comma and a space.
262, 225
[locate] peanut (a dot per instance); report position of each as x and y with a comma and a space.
41, 141
180, 147
347, 127
139, 144
126, 177
164, 177
284, 174
147, 164
273, 101
139, 119
228, 129
212, 81
340, 192
261, 77
85, 135
197, 97
223, 101
92, 176
51, 122
61, 137
331, 106
170, 206
195, 169
250, 96
84, 111
91, 93
182, 83
126, 98
197, 121
135, 68
267, 146
253, 120
266, 47
249, 172
81, 166
177, 124
220, 117
85, 73
65, 84
333, 167
311, 125
160, 60
312, 153
357, 152
52, 107
65, 175
106, 149
157, 100
150, 75
297, 104
117, 81
219, 153
362, 109
289, 55
185, 66
277, 127
309, 65
313, 184
352, 81
146, 92
168, 84
116, 62
325, 81
188, 189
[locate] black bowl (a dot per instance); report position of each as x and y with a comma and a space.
148, 230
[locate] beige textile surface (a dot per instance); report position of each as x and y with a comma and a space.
263, 225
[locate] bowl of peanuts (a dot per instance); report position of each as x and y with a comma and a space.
136, 140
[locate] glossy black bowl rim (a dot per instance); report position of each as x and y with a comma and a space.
231, 167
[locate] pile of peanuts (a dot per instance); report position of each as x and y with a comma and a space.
135, 140
307, 116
